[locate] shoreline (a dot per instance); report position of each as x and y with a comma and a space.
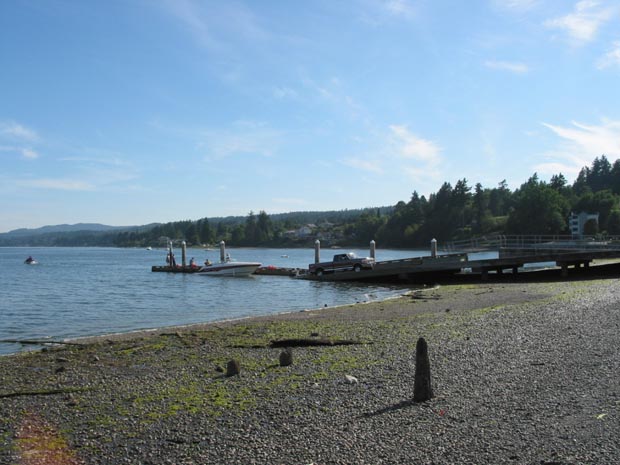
523, 373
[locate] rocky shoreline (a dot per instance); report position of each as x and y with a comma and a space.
522, 372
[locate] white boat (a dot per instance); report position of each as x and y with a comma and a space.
229, 268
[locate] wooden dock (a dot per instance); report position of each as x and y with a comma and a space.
263, 270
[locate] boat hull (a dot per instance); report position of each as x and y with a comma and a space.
238, 269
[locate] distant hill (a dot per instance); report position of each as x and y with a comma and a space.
61, 228
81, 234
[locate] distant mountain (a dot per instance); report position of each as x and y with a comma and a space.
62, 228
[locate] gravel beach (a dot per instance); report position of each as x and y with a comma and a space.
522, 372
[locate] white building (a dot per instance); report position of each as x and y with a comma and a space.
577, 221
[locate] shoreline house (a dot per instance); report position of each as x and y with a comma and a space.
577, 222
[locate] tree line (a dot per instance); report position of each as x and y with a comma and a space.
454, 212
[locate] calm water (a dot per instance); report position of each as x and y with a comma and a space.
75, 292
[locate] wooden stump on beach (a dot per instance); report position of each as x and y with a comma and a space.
422, 389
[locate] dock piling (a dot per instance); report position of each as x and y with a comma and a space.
317, 251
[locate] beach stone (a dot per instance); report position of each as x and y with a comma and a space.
422, 389
286, 357
232, 368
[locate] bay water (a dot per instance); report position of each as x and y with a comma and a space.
74, 292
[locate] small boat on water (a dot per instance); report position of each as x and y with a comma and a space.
229, 268
30, 261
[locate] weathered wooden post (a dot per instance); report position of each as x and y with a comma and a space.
286, 357
222, 251
422, 388
434, 248
183, 254
232, 368
317, 251
372, 249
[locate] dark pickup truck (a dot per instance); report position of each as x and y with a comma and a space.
342, 262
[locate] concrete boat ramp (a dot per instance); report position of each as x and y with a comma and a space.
514, 253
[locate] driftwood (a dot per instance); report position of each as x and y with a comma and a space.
43, 392
39, 342
308, 342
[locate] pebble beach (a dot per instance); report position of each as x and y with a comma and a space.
523, 372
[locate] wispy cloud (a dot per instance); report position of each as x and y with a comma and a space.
284, 93
402, 8
242, 138
611, 58
584, 22
513, 67
289, 201
364, 165
515, 5
24, 152
57, 184
579, 144
215, 26
18, 131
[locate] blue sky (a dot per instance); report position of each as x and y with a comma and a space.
128, 112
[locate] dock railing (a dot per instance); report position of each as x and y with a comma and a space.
527, 245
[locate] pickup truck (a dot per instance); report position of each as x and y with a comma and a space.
342, 262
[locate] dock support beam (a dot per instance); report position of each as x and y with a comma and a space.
222, 251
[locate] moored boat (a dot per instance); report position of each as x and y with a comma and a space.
229, 268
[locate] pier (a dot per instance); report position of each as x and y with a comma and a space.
454, 258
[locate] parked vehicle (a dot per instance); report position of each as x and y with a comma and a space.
342, 262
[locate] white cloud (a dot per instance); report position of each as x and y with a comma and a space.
584, 22
17, 131
57, 184
410, 146
580, 143
611, 58
513, 67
